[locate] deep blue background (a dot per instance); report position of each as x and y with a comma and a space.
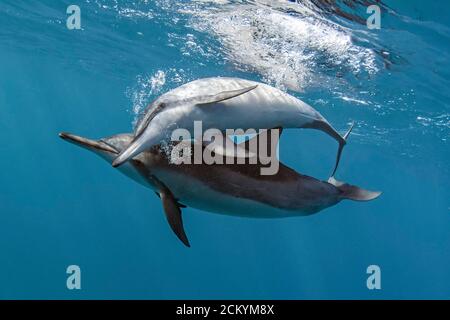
60, 205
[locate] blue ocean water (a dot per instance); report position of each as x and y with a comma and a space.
60, 205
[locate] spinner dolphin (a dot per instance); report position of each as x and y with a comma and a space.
230, 189
224, 103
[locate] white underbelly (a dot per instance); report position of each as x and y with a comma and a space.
195, 194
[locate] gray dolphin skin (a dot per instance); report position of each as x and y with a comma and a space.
225, 103
230, 189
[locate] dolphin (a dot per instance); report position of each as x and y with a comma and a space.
224, 103
230, 189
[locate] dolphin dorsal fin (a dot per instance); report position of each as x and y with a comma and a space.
228, 148
221, 96
246, 144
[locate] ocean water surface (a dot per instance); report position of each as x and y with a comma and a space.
61, 206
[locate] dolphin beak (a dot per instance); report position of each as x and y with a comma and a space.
87, 143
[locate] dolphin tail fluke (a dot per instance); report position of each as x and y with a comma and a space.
351, 192
342, 143
324, 126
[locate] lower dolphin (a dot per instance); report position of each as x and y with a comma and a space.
230, 189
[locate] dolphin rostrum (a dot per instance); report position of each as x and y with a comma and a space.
230, 189
224, 103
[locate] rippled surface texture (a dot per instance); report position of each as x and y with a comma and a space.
60, 205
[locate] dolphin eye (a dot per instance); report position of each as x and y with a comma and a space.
148, 117
159, 108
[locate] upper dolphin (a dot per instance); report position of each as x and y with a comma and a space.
224, 103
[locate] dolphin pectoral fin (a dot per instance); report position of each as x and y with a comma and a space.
221, 96
173, 215
228, 148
